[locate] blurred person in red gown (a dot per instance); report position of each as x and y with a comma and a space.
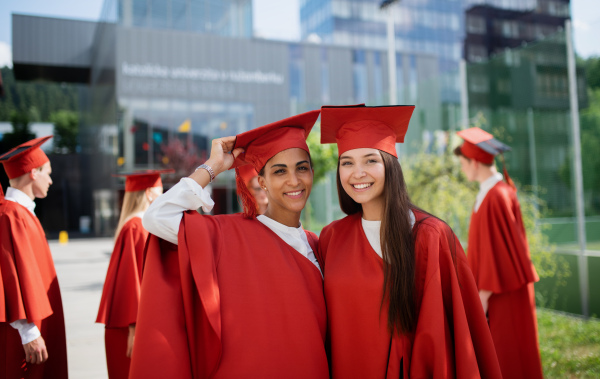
32, 326
498, 255
121, 292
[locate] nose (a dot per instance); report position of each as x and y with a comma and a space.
359, 172
293, 180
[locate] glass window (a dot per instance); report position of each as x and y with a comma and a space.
159, 14
140, 12
476, 24
178, 14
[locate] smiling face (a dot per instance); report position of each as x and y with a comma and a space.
362, 175
288, 180
41, 181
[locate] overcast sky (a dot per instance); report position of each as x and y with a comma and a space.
275, 19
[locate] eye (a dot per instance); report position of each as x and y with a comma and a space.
346, 163
372, 161
303, 168
280, 171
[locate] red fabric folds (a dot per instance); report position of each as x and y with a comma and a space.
240, 301
451, 340
500, 260
28, 290
121, 294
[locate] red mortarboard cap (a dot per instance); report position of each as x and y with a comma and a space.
264, 142
247, 172
357, 126
25, 157
480, 145
139, 181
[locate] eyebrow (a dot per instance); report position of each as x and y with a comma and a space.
285, 166
364, 156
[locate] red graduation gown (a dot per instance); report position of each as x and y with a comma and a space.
232, 300
121, 294
451, 339
499, 258
28, 290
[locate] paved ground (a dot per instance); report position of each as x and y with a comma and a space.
81, 267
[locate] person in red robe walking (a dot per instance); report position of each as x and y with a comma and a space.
250, 178
235, 296
121, 292
32, 326
401, 299
498, 255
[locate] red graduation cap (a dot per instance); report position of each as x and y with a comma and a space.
25, 157
480, 145
263, 143
139, 181
357, 126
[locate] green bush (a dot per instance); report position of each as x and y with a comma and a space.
437, 185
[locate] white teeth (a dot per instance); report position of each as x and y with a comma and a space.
294, 193
362, 186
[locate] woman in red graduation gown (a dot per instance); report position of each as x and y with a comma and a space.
121, 293
235, 296
401, 300
498, 254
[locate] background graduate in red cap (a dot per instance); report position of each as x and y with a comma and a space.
121, 292
32, 326
250, 178
401, 300
240, 295
499, 257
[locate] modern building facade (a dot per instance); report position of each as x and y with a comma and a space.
147, 94
228, 18
491, 29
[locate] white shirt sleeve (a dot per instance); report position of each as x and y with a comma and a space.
165, 213
27, 330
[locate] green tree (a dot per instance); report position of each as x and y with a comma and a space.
66, 129
437, 185
20, 132
324, 157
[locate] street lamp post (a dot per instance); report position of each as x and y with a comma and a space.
391, 39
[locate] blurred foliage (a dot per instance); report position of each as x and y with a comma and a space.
569, 346
437, 185
324, 157
592, 71
589, 120
183, 157
38, 99
324, 160
20, 131
66, 129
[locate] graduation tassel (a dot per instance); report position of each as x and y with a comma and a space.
248, 201
509, 181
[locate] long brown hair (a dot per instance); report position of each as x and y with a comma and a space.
397, 245
133, 202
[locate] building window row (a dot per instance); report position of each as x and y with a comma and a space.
404, 15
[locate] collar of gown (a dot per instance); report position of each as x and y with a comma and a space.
485, 187
20, 197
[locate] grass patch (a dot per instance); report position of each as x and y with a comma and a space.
570, 346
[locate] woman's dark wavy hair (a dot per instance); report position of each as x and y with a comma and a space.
397, 245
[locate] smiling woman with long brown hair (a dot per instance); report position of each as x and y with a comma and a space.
401, 300
243, 294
